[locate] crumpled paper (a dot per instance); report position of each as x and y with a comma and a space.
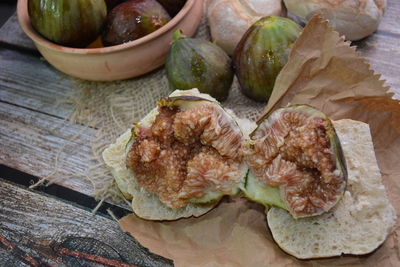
325, 72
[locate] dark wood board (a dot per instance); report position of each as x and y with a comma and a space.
38, 226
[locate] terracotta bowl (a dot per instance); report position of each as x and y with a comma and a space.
117, 62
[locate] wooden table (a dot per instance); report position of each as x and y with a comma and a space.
46, 225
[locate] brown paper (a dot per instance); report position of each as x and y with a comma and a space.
323, 71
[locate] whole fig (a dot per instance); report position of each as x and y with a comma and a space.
132, 20
194, 63
261, 54
74, 23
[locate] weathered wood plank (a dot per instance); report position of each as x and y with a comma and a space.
39, 144
383, 53
11, 33
32, 83
30, 143
391, 19
40, 227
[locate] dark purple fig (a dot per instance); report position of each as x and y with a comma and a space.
261, 54
172, 6
194, 63
132, 20
73, 23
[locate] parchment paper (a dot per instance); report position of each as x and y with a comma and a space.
323, 71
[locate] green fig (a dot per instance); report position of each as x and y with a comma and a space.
73, 23
194, 63
132, 20
261, 54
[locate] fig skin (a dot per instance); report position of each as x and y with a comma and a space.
132, 20
72, 23
194, 63
261, 54
172, 6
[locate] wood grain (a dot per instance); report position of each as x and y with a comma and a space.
39, 226
29, 82
383, 53
33, 134
33, 142
31, 122
390, 21
11, 33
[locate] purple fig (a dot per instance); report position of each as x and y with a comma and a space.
132, 20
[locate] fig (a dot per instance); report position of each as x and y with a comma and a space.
132, 20
172, 6
194, 63
296, 162
73, 23
188, 152
261, 54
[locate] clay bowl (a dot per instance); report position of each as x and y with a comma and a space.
117, 62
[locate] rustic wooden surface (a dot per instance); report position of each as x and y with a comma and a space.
32, 85
35, 134
39, 144
39, 226
10, 34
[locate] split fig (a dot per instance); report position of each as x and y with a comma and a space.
188, 153
296, 162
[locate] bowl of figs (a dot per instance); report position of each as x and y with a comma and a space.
106, 40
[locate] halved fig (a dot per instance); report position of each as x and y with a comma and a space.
296, 162
190, 153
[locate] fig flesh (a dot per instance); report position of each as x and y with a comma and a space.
295, 153
261, 54
190, 153
132, 20
194, 63
73, 23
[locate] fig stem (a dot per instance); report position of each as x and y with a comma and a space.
178, 34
